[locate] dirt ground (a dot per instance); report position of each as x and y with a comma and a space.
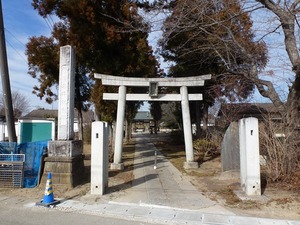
225, 189
276, 202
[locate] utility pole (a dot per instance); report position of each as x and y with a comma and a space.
9, 113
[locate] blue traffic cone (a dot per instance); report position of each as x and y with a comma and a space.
48, 196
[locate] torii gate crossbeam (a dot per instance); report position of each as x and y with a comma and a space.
153, 83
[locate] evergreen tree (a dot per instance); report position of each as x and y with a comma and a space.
102, 34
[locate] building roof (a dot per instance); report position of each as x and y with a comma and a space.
53, 113
42, 113
143, 115
241, 110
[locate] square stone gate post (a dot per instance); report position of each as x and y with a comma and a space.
99, 157
249, 156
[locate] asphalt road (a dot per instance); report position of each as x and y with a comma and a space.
20, 215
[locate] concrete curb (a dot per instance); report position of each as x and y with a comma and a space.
165, 215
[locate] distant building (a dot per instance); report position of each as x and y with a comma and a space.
142, 121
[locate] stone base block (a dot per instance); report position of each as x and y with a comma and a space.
190, 165
244, 197
117, 166
67, 171
65, 148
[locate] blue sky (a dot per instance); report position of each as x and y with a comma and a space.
21, 21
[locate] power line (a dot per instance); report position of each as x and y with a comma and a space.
50, 17
48, 22
11, 45
16, 51
14, 36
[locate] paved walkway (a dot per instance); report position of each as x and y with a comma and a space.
163, 196
163, 186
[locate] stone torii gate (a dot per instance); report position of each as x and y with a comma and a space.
153, 84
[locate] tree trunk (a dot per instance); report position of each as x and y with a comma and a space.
205, 117
155, 126
127, 131
198, 119
113, 135
80, 125
78, 104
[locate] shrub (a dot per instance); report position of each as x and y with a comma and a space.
205, 150
281, 152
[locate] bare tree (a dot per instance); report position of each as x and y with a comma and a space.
21, 103
286, 13
222, 38
222, 32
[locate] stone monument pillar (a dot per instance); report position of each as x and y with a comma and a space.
66, 94
65, 158
249, 156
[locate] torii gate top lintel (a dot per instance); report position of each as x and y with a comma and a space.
142, 82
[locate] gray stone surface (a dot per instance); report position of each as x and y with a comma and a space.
99, 157
117, 166
67, 171
187, 128
294, 222
272, 222
190, 165
216, 219
66, 93
69, 148
188, 216
230, 153
249, 156
120, 126
238, 220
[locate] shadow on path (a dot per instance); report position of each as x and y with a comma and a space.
130, 184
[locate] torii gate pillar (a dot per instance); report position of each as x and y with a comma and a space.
187, 128
117, 164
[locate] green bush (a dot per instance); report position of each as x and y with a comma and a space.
205, 149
